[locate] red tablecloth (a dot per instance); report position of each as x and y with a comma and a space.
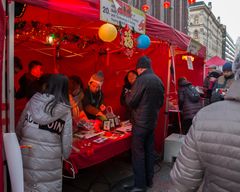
84, 156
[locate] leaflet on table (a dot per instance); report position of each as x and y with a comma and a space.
88, 134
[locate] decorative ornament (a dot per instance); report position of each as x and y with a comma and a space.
190, 2
107, 32
127, 40
166, 4
145, 8
143, 42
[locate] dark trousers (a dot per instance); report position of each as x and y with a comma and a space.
143, 156
186, 125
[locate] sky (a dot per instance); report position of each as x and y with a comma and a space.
228, 11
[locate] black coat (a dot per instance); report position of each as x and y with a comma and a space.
145, 98
188, 107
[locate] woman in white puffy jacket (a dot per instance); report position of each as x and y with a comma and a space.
46, 125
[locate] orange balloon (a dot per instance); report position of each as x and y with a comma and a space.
107, 32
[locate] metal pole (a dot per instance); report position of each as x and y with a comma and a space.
175, 88
167, 98
10, 69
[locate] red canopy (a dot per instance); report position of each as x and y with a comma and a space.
215, 61
90, 9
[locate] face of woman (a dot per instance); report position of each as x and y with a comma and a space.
94, 87
132, 78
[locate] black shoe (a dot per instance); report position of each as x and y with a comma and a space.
128, 187
150, 184
136, 189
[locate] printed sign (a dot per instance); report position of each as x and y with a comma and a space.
120, 13
189, 63
193, 47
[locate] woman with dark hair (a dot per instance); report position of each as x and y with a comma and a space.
76, 95
129, 80
46, 127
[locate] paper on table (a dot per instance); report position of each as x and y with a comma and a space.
14, 161
126, 128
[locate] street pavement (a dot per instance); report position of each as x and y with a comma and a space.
110, 176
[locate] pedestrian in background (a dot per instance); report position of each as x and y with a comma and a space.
223, 83
46, 126
145, 99
210, 152
189, 102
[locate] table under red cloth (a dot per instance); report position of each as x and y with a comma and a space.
96, 153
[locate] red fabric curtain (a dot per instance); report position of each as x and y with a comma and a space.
2, 35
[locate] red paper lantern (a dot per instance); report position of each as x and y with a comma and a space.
145, 7
190, 2
166, 4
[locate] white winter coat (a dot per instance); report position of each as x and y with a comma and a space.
50, 138
211, 151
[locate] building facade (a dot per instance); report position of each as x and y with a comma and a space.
238, 45
230, 48
176, 15
205, 28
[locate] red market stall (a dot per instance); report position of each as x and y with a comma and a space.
216, 61
80, 19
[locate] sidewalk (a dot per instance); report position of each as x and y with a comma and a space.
111, 175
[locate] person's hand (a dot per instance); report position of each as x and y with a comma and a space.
102, 107
101, 115
126, 90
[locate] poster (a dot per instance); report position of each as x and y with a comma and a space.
120, 13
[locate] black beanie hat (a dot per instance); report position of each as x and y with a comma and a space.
144, 62
214, 74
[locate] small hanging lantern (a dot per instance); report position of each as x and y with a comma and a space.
166, 4
190, 2
145, 8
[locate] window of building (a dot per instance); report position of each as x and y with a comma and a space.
195, 35
196, 20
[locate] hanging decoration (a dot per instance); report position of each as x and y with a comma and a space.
190, 2
166, 4
143, 42
48, 34
127, 40
107, 32
145, 8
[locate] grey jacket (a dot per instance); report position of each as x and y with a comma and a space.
211, 150
50, 138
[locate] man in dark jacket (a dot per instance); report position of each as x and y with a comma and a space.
29, 82
223, 83
145, 98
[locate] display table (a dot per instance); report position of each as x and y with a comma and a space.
88, 152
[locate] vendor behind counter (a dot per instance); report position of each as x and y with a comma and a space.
93, 97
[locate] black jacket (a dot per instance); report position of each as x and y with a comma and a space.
29, 85
188, 107
145, 98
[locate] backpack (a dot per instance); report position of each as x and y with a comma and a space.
192, 94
